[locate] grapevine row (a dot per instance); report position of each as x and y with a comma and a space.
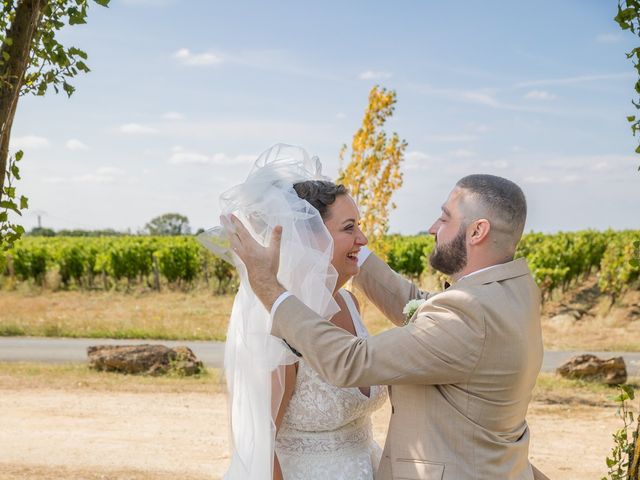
556, 260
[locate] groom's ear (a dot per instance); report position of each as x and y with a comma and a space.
479, 231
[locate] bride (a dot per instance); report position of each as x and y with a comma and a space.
310, 429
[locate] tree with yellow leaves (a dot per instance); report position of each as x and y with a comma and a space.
373, 173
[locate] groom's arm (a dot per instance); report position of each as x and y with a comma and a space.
442, 345
388, 290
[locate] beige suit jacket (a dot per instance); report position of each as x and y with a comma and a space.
462, 371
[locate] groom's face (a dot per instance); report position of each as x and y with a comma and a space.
450, 253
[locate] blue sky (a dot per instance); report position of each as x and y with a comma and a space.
183, 96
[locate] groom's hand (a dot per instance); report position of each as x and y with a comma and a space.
262, 262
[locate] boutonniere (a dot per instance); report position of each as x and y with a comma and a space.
410, 308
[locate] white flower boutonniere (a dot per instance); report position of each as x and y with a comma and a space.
410, 308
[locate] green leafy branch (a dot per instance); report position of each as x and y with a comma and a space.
628, 18
622, 462
54, 63
11, 232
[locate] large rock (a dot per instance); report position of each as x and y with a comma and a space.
612, 371
144, 359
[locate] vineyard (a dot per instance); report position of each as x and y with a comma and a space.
556, 260
117, 262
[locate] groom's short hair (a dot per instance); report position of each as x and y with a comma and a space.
499, 199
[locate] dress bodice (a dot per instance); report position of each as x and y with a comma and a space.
322, 419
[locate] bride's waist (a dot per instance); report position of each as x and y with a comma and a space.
356, 434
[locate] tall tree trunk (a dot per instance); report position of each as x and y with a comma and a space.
21, 32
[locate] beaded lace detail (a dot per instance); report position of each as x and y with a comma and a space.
326, 431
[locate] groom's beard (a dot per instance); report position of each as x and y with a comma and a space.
451, 257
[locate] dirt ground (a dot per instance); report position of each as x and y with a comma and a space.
53, 433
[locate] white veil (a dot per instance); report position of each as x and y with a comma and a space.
254, 360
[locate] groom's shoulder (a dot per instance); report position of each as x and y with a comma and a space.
461, 300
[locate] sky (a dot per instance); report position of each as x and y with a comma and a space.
184, 95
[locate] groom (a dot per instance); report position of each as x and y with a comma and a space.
463, 368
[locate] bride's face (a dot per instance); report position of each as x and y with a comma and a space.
342, 222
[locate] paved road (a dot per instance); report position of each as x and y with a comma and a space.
74, 350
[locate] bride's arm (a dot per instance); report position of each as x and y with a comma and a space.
388, 290
290, 372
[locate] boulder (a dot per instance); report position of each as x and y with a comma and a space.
144, 359
612, 371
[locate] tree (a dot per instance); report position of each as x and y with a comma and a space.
42, 232
373, 173
168, 224
628, 18
31, 60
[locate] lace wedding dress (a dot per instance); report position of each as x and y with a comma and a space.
326, 431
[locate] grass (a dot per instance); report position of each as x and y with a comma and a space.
166, 316
200, 315
554, 389
614, 331
197, 315
550, 388
74, 376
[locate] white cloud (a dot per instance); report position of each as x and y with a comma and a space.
601, 166
29, 142
570, 169
417, 160
277, 60
103, 175
75, 144
483, 98
185, 56
539, 95
224, 159
174, 116
574, 80
373, 75
570, 178
537, 179
147, 3
416, 156
479, 127
136, 128
264, 131
180, 156
451, 138
608, 38
110, 171
486, 97
499, 164
462, 153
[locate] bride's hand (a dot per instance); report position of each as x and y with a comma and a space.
261, 262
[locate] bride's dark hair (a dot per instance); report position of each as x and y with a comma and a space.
320, 194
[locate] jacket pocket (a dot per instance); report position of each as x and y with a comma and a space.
410, 469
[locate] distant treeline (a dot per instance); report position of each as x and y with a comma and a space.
49, 232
